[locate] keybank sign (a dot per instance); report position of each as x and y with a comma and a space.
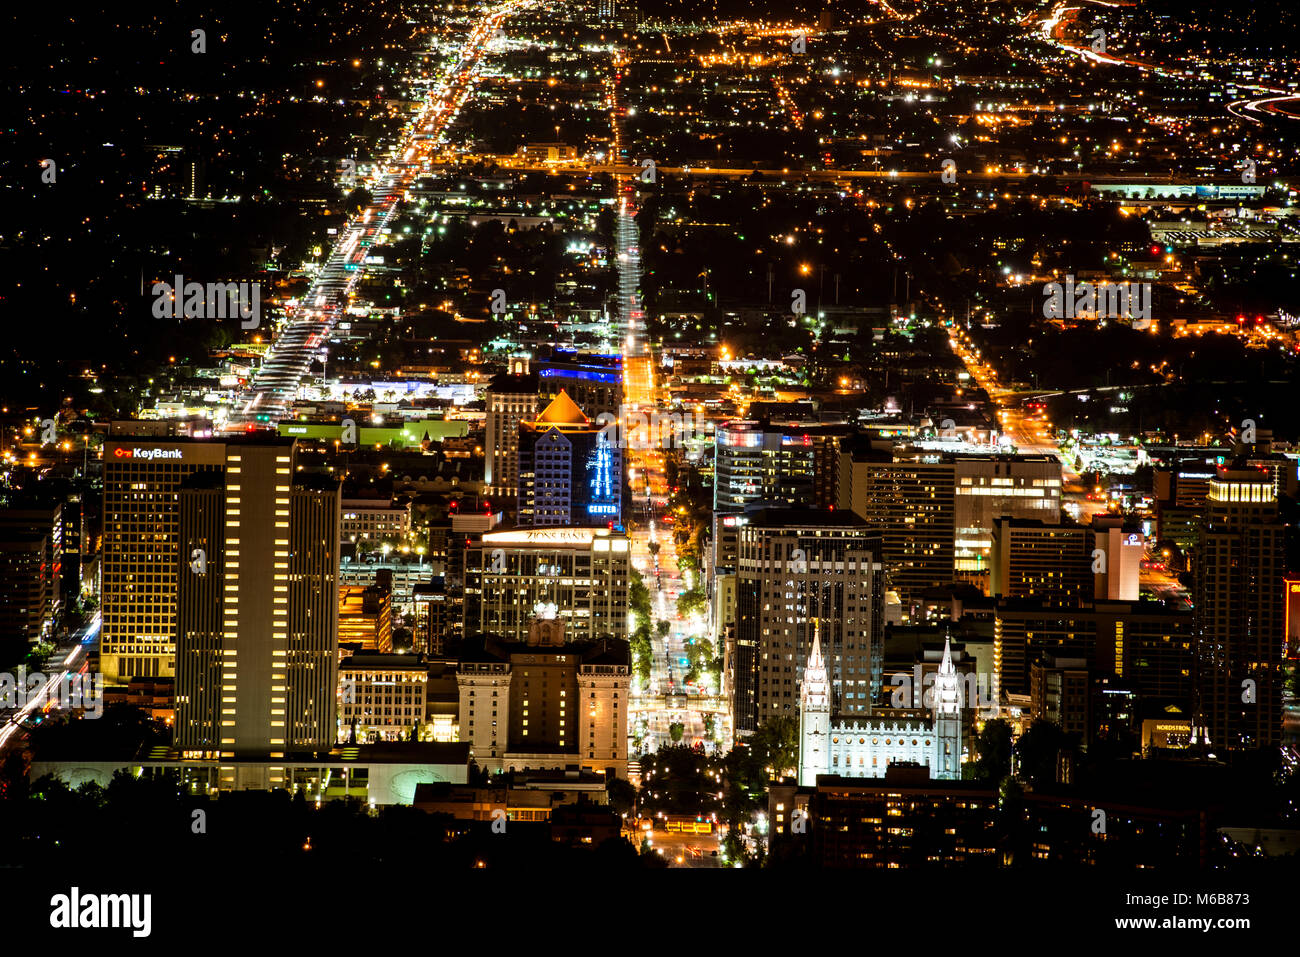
147, 453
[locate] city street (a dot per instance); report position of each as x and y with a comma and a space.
74, 662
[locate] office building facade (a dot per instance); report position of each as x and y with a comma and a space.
1238, 567
910, 504
546, 701
801, 571
583, 573
510, 400
775, 464
256, 583
1052, 564
140, 564
570, 472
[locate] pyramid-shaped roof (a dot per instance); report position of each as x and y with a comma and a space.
563, 411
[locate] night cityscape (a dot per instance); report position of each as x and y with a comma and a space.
447, 444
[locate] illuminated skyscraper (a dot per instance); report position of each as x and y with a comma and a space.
1239, 610
570, 471
256, 607
800, 572
511, 400
141, 553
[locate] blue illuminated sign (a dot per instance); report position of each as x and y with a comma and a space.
612, 377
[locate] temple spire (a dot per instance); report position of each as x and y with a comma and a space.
947, 684
815, 685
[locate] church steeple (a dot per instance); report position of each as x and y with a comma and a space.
947, 719
947, 684
816, 685
814, 715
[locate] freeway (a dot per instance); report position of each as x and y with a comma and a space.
275, 385
830, 176
1053, 27
1271, 105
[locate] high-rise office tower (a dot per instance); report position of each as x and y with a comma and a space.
627, 15
775, 464
74, 538
798, 567
433, 613
935, 512
31, 576
511, 399
43, 516
256, 606
1238, 595
142, 479
1180, 492
570, 471
23, 592
1146, 645
988, 486
582, 575
1050, 563
910, 505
